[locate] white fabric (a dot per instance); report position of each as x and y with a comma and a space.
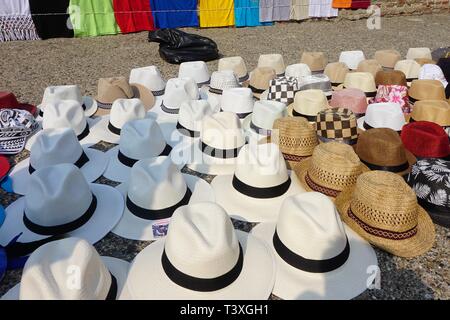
322, 8
15, 21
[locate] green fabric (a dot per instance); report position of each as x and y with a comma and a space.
92, 18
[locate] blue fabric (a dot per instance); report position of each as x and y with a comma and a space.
10, 263
2, 215
6, 184
186, 18
3, 262
246, 13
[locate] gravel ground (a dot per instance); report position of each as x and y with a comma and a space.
28, 67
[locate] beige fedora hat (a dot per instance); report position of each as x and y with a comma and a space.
387, 58
336, 71
437, 111
410, 68
235, 64
364, 81
419, 53
426, 90
260, 80
273, 60
372, 66
307, 104
316, 61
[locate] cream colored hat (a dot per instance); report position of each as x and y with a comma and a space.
235, 64
148, 77
260, 80
308, 104
364, 81
197, 70
419, 53
190, 118
387, 58
238, 100
410, 68
315, 60
336, 71
178, 90
298, 70
274, 61
259, 124
352, 58
372, 66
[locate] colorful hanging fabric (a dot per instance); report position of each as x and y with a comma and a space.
174, 13
360, 4
216, 13
133, 15
300, 9
246, 13
51, 18
16, 22
322, 9
274, 10
342, 4
93, 18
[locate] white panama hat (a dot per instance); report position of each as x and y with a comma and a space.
61, 202
238, 100
150, 78
220, 81
432, 72
55, 146
156, 188
48, 271
317, 255
197, 70
298, 70
258, 186
352, 58
382, 115
202, 258
419, 53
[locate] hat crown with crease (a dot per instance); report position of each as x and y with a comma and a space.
426, 139
298, 70
385, 115
387, 58
261, 76
294, 136
427, 90
353, 99
336, 71
310, 102
192, 113
149, 77
222, 130
372, 66
65, 114
419, 53
364, 81
235, 64
54, 146
201, 241
124, 110
266, 112
156, 183
310, 226
410, 68
392, 77
261, 165
46, 275
221, 80
274, 60
237, 100
141, 139
432, 72
351, 58
67, 92
57, 195
179, 90
110, 89
437, 111
197, 70
315, 60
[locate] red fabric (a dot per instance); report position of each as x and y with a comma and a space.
426, 139
360, 4
8, 100
133, 15
4, 167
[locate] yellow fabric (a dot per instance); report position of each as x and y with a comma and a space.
216, 13
342, 3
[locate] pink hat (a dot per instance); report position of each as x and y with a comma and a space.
353, 99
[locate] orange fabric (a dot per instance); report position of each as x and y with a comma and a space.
342, 4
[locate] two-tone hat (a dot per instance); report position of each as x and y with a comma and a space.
259, 124
235, 64
352, 99
307, 104
387, 58
397, 224
426, 90
419, 53
316, 61
338, 125
274, 61
297, 70
391, 77
149, 78
352, 58
9, 100
383, 115
282, 89
197, 70
260, 79
336, 72
372, 66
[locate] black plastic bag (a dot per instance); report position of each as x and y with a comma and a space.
176, 46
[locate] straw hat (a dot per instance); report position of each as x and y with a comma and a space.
352, 58
352, 99
45, 274
396, 224
202, 258
417, 53
258, 186
297, 70
364, 81
197, 70
426, 140
317, 256
332, 168
382, 149
426, 90
150, 78
260, 79
238, 100
410, 68
9, 101
155, 189
336, 71
338, 125
316, 61
55, 146
308, 104
235, 64
437, 111
139, 139
372, 66
429, 178
393, 77
274, 61
432, 72
387, 58
61, 202
54, 94
111, 89
382, 115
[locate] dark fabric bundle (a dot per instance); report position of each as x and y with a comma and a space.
444, 63
51, 26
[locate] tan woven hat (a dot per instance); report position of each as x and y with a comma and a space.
316, 61
336, 71
111, 89
383, 209
382, 149
332, 168
426, 90
364, 81
387, 58
307, 104
260, 80
437, 111
372, 66
237, 65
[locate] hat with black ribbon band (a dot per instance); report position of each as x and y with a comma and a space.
256, 90
112, 293
187, 132
216, 91
41, 112
202, 284
219, 153
63, 228
368, 126
82, 160
129, 162
399, 168
240, 115
244, 78
85, 133
169, 110
158, 93
113, 129
259, 130
261, 193
307, 117
309, 265
20, 249
346, 141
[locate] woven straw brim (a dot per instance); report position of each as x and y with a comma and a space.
408, 248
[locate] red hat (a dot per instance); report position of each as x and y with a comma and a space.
8, 100
426, 140
4, 167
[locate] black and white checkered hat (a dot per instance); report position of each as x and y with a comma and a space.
283, 89
338, 125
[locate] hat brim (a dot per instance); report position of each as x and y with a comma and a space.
117, 267
109, 210
245, 208
132, 227
170, 132
344, 283
144, 94
360, 123
250, 134
290, 112
92, 170
89, 102
160, 113
411, 247
148, 281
